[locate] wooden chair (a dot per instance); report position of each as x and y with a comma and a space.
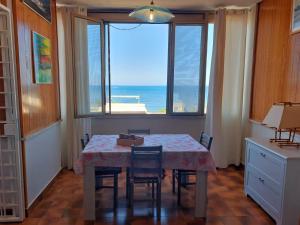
182, 175
135, 132
144, 132
146, 167
102, 173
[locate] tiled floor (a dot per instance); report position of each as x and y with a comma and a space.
227, 204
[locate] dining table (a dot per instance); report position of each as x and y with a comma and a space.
180, 151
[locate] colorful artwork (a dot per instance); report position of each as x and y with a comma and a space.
42, 59
42, 7
296, 16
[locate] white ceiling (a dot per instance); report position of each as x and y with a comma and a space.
186, 5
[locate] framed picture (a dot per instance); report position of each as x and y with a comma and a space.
296, 16
42, 7
42, 64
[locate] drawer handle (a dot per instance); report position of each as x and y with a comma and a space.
263, 155
261, 180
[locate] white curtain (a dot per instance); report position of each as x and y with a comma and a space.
81, 73
72, 129
231, 71
250, 45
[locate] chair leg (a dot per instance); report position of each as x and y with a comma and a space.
127, 183
163, 174
184, 180
115, 191
173, 181
131, 196
179, 187
158, 200
98, 182
152, 190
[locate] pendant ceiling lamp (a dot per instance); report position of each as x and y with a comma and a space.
152, 14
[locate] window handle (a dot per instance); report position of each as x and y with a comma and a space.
261, 180
263, 155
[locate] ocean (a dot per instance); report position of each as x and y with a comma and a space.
154, 97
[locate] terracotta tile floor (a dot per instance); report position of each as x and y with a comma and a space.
62, 204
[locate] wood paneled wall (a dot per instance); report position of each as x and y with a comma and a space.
272, 55
39, 102
292, 82
277, 60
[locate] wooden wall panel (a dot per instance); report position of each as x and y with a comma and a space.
292, 83
272, 56
39, 102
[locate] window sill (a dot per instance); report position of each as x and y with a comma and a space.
148, 116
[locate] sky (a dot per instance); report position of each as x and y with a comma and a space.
139, 56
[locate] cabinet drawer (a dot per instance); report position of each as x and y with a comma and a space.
268, 163
268, 192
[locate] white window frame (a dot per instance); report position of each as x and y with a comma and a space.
121, 18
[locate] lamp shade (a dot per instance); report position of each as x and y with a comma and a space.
152, 14
283, 116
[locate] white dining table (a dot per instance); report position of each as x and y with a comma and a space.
180, 151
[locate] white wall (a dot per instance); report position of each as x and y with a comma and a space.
43, 160
166, 124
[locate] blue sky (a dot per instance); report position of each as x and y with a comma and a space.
138, 56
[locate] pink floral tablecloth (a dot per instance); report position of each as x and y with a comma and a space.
180, 151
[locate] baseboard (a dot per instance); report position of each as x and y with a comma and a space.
41, 194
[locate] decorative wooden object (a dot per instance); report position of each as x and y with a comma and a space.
284, 118
129, 140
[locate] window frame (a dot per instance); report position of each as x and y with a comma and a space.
102, 46
109, 77
202, 70
170, 70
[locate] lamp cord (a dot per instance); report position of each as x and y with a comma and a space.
131, 28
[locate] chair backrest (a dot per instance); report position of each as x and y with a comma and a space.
84, 141
138, 131
206, 140
83, 144
87, 137
146, 160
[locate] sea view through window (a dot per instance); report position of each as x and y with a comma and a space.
137, 60
138, 67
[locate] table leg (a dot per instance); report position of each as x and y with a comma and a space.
201, 194
89, 193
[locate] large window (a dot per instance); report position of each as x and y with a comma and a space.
138, 68
135, 68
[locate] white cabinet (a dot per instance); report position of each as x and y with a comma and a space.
272, 179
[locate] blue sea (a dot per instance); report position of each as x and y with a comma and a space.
154, 97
